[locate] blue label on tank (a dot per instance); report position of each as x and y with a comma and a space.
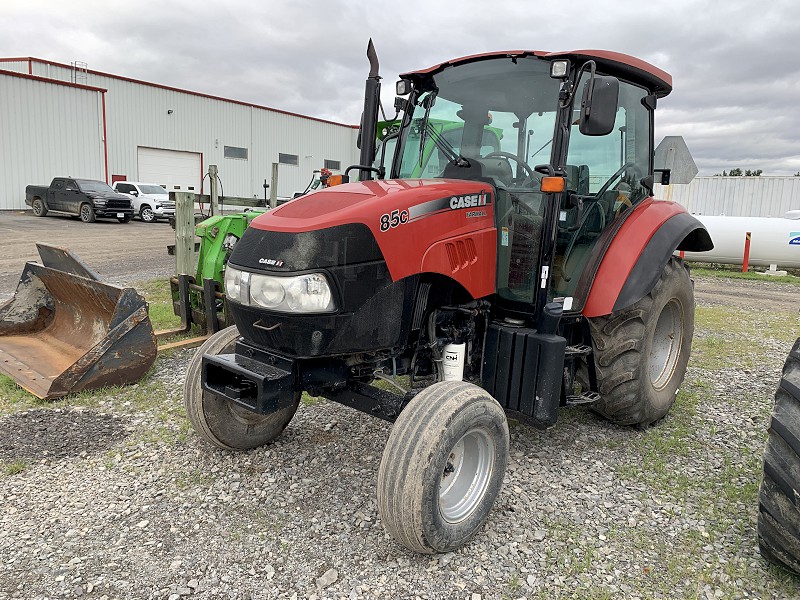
794, 238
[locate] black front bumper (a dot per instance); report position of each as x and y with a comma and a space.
252, 378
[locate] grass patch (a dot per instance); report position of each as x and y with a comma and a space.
12, 468
159, 298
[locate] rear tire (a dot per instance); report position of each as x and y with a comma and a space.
87, 213
39, 209
778, 509
442, 467
147, 215
641, 352
219, 421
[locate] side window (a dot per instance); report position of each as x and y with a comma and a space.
58, 184
616, 162
124, 188
70, 185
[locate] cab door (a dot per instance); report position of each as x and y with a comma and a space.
70, 197
604, 182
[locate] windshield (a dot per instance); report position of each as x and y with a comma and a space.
498, 114
94, 186
152, 189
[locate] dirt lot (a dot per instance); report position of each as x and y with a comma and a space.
111, 495
120, 252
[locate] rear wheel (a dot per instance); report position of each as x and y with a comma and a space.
219, 421
39, 209
778, 507
147, 215
641, 352
442, 467
87, 213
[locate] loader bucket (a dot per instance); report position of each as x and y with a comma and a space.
65, 330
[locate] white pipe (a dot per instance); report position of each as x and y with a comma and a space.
773, 241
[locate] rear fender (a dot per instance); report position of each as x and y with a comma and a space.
636, 256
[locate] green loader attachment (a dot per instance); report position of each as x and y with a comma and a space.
65, 330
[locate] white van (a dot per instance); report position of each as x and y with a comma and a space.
150, 201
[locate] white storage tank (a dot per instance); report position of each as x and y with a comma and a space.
773, 241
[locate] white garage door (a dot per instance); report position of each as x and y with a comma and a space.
176, 171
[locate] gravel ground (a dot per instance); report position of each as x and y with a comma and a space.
111, 495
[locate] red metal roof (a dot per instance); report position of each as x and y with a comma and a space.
170, 88
612, 62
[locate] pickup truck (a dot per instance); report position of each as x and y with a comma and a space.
150, 201
85, 198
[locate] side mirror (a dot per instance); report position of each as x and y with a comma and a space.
133, 193
599, 105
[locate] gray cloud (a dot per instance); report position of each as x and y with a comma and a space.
733, 62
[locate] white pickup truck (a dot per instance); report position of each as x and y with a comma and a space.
150, 201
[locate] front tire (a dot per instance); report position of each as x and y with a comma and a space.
147, 215
219, 421
38, 207
641, 352
442, 467
87, 213
778, 510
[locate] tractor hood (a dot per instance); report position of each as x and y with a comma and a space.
367, 202
408, 222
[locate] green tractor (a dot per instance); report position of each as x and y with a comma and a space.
200, 299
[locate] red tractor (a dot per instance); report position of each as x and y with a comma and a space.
493, 287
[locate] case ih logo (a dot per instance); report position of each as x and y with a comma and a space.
468, 201
270, 262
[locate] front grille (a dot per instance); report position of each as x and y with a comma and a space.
113, 204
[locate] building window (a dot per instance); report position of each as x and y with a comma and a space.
287, 159
333, 165
234, 152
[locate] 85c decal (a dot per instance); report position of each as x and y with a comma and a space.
394, 219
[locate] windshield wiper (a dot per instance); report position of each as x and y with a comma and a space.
446, 147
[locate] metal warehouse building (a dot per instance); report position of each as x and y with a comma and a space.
60, 120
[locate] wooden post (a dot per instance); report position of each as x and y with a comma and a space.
184, 233
212, 175
746, 259
273, 187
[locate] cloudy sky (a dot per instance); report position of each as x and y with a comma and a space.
735, 67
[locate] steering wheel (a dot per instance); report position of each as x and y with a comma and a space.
607, 185
525, 166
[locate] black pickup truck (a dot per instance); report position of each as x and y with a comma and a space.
83, 197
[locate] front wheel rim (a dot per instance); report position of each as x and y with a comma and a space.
147, 214
666, 346
466, 475
85, 213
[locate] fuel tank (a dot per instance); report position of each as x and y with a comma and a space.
773, 241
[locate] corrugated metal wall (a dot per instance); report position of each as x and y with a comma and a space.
46, 131
736, 196
137, 115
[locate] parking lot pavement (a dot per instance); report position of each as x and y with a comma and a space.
122, 253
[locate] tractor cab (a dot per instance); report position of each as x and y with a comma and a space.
565, 141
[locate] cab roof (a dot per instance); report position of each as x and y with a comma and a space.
612, 63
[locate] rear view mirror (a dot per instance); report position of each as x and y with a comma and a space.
599, 105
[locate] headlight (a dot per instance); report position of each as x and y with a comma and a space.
100, 201
301, 294
234, 284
